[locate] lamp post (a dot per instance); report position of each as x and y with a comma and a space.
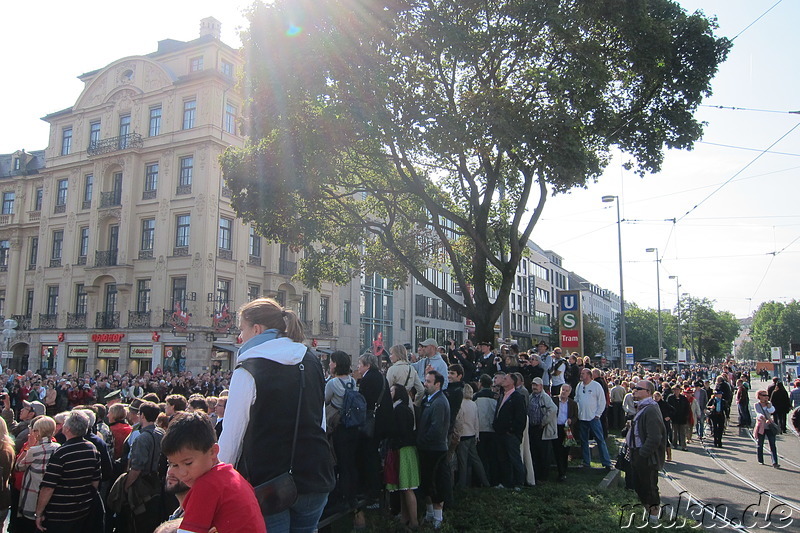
658, 289
622, 341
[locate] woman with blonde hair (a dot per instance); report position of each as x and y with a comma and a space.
6, 463
402, 372
281, 382
33, 462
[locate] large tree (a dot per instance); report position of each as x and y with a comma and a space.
393, 136
710, 332
594, 336
776, 324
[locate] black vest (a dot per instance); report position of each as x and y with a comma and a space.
267, 446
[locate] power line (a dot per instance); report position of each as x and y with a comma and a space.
759, 18
756, 158
749, 149
732, 108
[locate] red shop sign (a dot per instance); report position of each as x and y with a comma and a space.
107, 337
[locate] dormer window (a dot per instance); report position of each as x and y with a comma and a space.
196, 64
16, 163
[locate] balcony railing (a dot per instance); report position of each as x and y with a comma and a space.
254, 260
225, 254
308, 326
76, 320
183, 189
86, 204
110, 199
55, 262
34, 216
48, 321
105, 258
326, 329
149, 195
139, 319
287, 268
145, 254
5, 219
180, 251
23, 321
113, 144
60, 208
81, 259
107, 320
226, 192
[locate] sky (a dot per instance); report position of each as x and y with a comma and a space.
724, 217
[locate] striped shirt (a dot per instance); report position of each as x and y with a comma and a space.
70, 473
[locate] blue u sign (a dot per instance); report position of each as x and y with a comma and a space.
569, 302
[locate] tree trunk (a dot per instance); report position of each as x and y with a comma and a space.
484, 329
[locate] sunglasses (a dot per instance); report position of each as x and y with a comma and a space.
639, 388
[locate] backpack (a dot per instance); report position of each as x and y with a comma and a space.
354, 407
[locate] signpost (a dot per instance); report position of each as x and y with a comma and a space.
629, 356
570, 320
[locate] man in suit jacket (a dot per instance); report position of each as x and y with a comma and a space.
509, 425
375, 389
647, 441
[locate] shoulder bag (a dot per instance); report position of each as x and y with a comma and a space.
280, 493
368, 429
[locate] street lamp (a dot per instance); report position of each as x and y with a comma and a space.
622, 341
658, 289
678, 289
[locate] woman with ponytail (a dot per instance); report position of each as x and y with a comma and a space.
273, 367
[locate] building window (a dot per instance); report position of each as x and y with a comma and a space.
196, 64
182, 231
8, 203
2, 303
402, 319
324, 306
81, 299
225, 230
253, 292
189, 109
124, 130
37, 199
376, 311
84, 244
226, 68
28, 302
223, 292
61, 192
143, 295
58, 245
148, 234
16, 163
230, 119
187, 166
304, 307
347, 312
155, 121
66, 141
33, 257
255, 243
5, 246
178, 291
150, 177
94, 133
88, 190
52, 300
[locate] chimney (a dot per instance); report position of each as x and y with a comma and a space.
210, 26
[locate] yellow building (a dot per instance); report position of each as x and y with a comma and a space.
124, 251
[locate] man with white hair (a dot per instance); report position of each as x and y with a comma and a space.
647, 440
71, 477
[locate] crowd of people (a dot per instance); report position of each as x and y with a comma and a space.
287, 438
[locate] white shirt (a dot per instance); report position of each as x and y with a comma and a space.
591, 400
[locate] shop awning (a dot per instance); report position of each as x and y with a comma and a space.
226, 346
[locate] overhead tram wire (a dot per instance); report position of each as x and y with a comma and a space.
734, 108
745, 148
756, 158
756, 20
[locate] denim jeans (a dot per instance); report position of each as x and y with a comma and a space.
302, 517
772, 448
596, 427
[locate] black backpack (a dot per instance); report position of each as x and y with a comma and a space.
354, 407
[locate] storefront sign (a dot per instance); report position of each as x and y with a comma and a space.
107, 337
141, 352
78, 351
108, 351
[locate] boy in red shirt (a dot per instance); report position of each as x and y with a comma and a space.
219, 497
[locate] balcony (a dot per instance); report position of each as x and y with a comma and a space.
308, 326
34, 216
107, 320
81, 260
226, 192
225, 254
76, 320
326, 329
3, 268
145, 254
287, 268
114, 144
87, 204
254, 260
149, 195
105, 258
60, 208
23, 321
180, 251
110, 199
48, 321
55, 262
139, 319
5, 220
184, 189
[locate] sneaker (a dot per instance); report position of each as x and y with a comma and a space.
499, 486
437, 524
775, 465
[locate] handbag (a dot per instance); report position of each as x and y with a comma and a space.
771, 428
280, 493
623, 458
569, 439
368, 429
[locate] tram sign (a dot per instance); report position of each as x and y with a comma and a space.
776, 354
570, 320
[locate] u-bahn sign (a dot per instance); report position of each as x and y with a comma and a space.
570, 321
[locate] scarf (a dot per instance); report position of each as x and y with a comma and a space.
640, 407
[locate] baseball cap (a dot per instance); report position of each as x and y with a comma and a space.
429, 342
538, 381
135, 403
37, 407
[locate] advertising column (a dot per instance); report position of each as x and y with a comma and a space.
570, 321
